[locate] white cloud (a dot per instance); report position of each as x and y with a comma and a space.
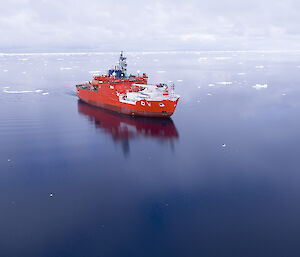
112, 25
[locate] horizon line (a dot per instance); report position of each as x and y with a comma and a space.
149, 52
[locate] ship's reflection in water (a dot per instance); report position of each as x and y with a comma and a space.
123, 128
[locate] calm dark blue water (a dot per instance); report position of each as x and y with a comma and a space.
219, 179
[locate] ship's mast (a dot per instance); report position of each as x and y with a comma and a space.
123, 64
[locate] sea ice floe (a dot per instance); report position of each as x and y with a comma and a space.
224, 145
179, 80
65, 68
45, 93
259, 86
211, 85
241, 73
224, 83
5, 70
44, 54
199, 86
284, 94
259, 67
161, 71
209, 94
23, 59
21, 91
202, 59
24, 72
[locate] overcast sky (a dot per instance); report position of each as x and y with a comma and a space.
149, 25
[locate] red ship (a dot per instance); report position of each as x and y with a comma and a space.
130, 95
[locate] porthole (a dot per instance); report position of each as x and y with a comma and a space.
143, 103
161, 105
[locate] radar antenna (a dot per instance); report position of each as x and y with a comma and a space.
123, 64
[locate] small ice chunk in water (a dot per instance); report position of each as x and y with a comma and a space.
65, 68
259, 67
209, 94
8, 160
51, 195
284, 94
199, 86
259, 86
5, 70
45, 93
179, 80
161, 71
211, 85
224, 83
224, 145
23, 72
241, 73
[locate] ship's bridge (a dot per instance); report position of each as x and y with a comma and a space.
116, 73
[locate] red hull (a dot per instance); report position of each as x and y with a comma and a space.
125, 110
